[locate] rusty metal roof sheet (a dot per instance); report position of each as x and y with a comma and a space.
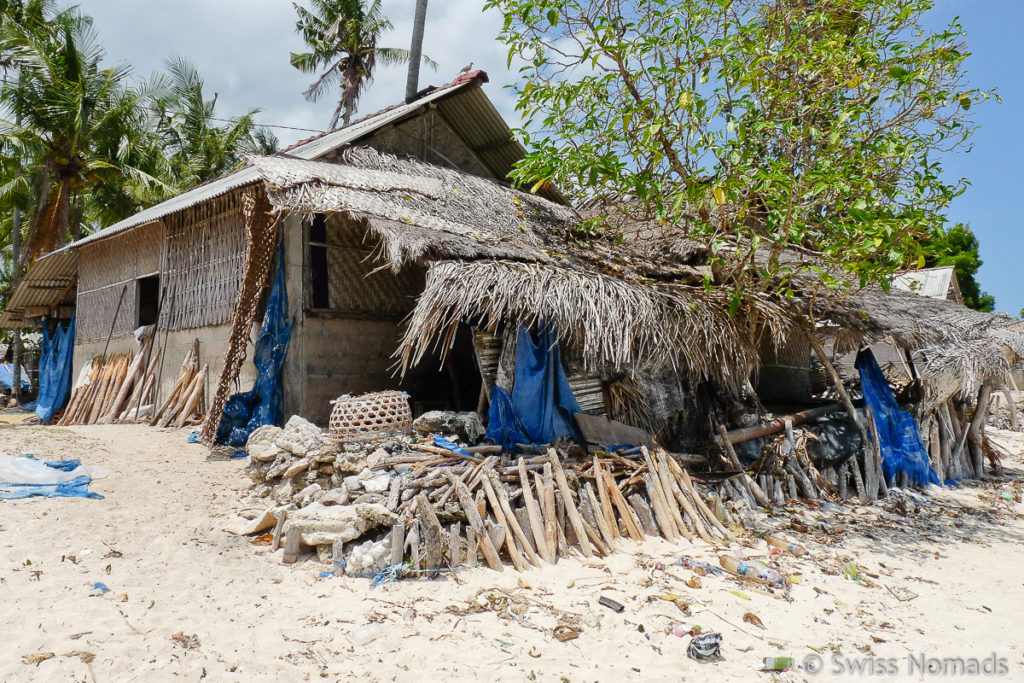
45, 285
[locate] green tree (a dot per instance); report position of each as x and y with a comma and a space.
958, 247
761, 124
196, 146
342, 37
75, 125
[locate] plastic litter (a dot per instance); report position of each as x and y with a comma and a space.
27, 477
786, 546
366, 634
101, 587
611, 604
777, 664
442, 442
705, 647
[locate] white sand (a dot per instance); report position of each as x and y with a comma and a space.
256, 619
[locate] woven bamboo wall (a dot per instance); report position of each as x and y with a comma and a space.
203, 265
107, 268
353, 287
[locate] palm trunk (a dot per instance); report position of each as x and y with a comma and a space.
16, 341
416, 50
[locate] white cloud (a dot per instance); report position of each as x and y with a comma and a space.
241, 48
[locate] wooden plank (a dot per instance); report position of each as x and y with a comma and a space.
605, 432
643, 512
533, 510
432, 532
476, 523
506, 509
570, 509
546, 494
510, 544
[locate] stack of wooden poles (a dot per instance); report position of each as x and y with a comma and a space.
116, 386
184, 403
539, 509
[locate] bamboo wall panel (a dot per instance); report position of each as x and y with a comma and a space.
353, 286
106, 268
205, 257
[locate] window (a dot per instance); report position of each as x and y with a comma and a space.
319, 290
147, 298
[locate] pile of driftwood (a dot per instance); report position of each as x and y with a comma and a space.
123, 387
540, 508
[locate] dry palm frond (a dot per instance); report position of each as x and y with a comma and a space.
606, 320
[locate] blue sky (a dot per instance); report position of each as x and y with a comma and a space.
995, 164
241, 47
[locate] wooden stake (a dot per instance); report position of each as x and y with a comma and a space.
506, 508
570, 509
476, 523
510, 544
536, 520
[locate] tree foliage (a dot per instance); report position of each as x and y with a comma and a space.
958, 247
763, 124
342, 37
86, 144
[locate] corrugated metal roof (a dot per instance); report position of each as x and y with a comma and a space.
935, 283
309, 149
45, 284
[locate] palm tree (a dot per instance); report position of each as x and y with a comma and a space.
76, 126
342, 36
197, 149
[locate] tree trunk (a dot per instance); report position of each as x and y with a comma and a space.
416, 50
16, 349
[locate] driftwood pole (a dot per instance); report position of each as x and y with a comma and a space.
851, 411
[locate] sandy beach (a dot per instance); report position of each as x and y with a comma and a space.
933, 582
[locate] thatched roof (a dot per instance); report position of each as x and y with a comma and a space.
496, 255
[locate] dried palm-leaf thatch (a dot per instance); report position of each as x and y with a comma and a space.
606, 320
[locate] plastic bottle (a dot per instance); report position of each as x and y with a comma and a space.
751, 569
784, 545
777, 663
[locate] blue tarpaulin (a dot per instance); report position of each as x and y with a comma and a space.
541, 406
27, 477
898, 435
55, 360
7, 377
246, 411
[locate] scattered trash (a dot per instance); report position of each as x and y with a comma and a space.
751, 569
850, 571
785, 545
751, 618
367, 634
37, 658
611, 604
564, 632
239, 454
101, 587
193, 437
697, 566
187, 641
705, 647
86, 657
777, 664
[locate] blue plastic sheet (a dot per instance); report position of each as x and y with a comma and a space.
76, 488
442, 442
246, 411
55, 361
898, 434
7, 377
541, 406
